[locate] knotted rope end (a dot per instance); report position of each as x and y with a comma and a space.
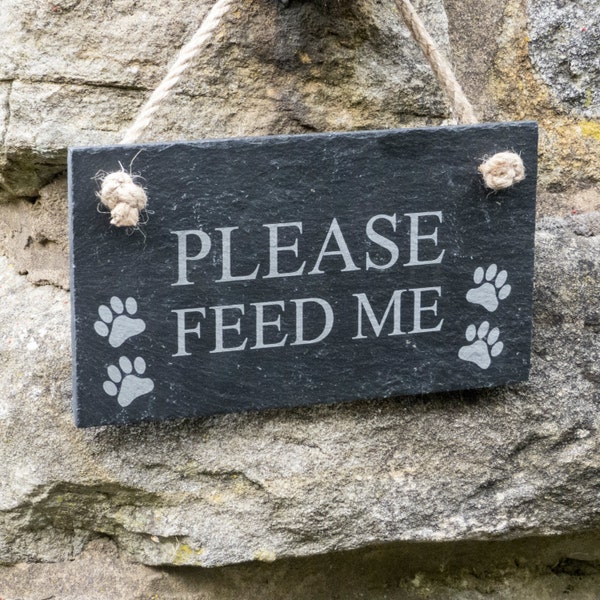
123, 197
502, 170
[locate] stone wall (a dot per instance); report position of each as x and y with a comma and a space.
458, 495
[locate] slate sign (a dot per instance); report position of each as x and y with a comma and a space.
295, 270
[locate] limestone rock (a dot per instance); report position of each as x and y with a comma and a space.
460, 468
495, 464
521, 569
498, 59
565, 49
34, 233
75, 73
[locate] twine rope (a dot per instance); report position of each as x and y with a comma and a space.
186, 55
461, 107
126, 199
119, 192
500, 171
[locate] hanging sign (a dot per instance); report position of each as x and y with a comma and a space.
294, 270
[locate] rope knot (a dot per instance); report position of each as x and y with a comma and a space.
502, 170
124, 198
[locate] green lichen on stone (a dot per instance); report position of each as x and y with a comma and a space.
590, 129
186, 555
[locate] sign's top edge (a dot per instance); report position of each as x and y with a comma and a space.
322, 135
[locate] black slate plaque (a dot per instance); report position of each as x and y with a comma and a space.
294, 270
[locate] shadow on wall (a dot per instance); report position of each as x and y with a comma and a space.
540, 568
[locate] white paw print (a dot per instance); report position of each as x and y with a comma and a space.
484, 348
489, 292
117, 322
126, 385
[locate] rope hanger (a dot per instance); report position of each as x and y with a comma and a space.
125, 199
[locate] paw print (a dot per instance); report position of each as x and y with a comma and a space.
481, 350
492, 290
126, 385
118, 329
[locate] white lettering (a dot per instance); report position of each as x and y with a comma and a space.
220, 328
183, 258
384, 242
415, 237
261, 324
419, 308
182, 330
275, 249
327, 310
364, 304
336, 232
226, 272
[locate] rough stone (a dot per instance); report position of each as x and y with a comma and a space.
491, 50
565, 50
474, 49
34, 233
426, 489
530, 568
45, 118
495, 464
313, 66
